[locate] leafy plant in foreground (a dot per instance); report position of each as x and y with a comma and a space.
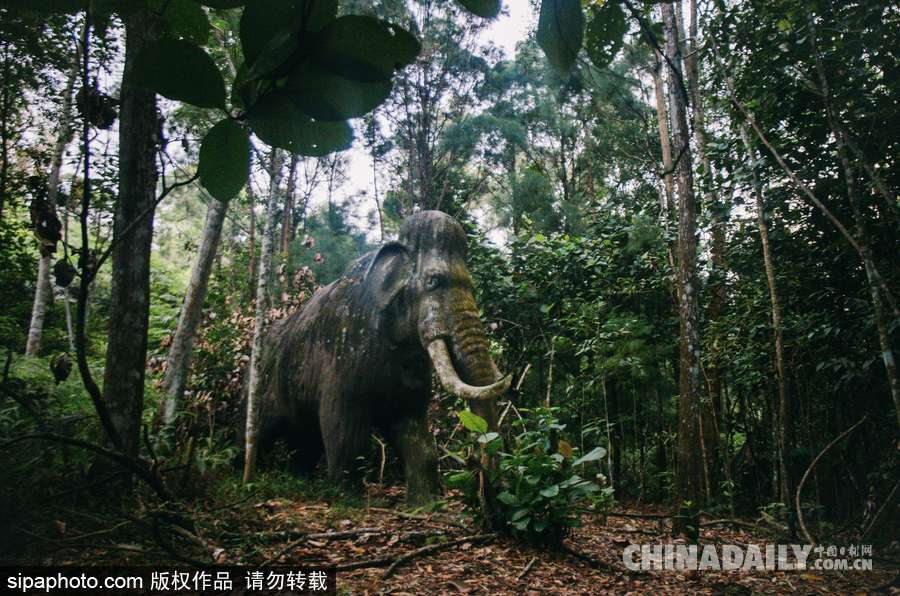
541, 493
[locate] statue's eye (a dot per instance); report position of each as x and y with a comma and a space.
434, 281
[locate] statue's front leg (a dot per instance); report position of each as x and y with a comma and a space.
415, 444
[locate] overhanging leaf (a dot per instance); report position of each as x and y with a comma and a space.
182, 71
560, 32
365, 48
279, 122
472, 421
222, 3
487, 9
264, 20
225, 160
329, 96
60, 6
187, 19
315, 14
605, 33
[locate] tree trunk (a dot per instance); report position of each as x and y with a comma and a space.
287, 218
688, 474
719, 295
251, 241
265, 260
179, 358
783, 435
123, 387
44, 289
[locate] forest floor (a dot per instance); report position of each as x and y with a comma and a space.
288, 531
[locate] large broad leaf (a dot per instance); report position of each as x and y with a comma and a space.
328, 96
61, 6
263, 21
180, 70
222, 3
315, 14
597, 454
560, 32
225, 160
187, 19
483, 8
365, 48
279, 122
244, 93
605, 33
472, 421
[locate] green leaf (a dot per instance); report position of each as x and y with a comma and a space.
488, 437
60, 6
276, 53
460, 479
264, 20
329, 96
472, 421
520, 514
560, 32
507, 498
180, 70
365, 48
225, 160
605, 33
596, 454
316, 14
279, 122
187, 19
487, 9
550, 491
100, 8
222, 3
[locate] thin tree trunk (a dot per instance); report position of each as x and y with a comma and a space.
688, 475
783, 434
287, 218
44, 289
123, 386
70, 328
719, 297
251, 241
179, 357
251, 444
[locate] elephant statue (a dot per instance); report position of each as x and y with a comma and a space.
358, 356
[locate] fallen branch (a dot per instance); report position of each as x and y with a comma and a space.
728, 521
320, 536
528, 567
433, 548
637, 515
812, 465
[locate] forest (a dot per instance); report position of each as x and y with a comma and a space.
452, 296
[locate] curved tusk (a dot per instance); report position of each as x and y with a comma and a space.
451, 381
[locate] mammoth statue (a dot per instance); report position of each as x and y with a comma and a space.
358, 356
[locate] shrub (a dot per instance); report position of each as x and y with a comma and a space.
541, 486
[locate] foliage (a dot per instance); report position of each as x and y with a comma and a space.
539, 479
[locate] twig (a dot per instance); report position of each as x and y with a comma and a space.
319, 536
528, 567
728, 521
812, 465
432, 548
637, 515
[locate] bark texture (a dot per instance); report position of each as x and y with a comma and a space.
251, 433
44, 288
123, 386
179, 358
688, 475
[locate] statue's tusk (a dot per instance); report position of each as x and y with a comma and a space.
451, 381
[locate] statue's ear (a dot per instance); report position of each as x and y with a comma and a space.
389, 272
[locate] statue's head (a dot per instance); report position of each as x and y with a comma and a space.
423, 278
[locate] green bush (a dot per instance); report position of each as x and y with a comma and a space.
542, 489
